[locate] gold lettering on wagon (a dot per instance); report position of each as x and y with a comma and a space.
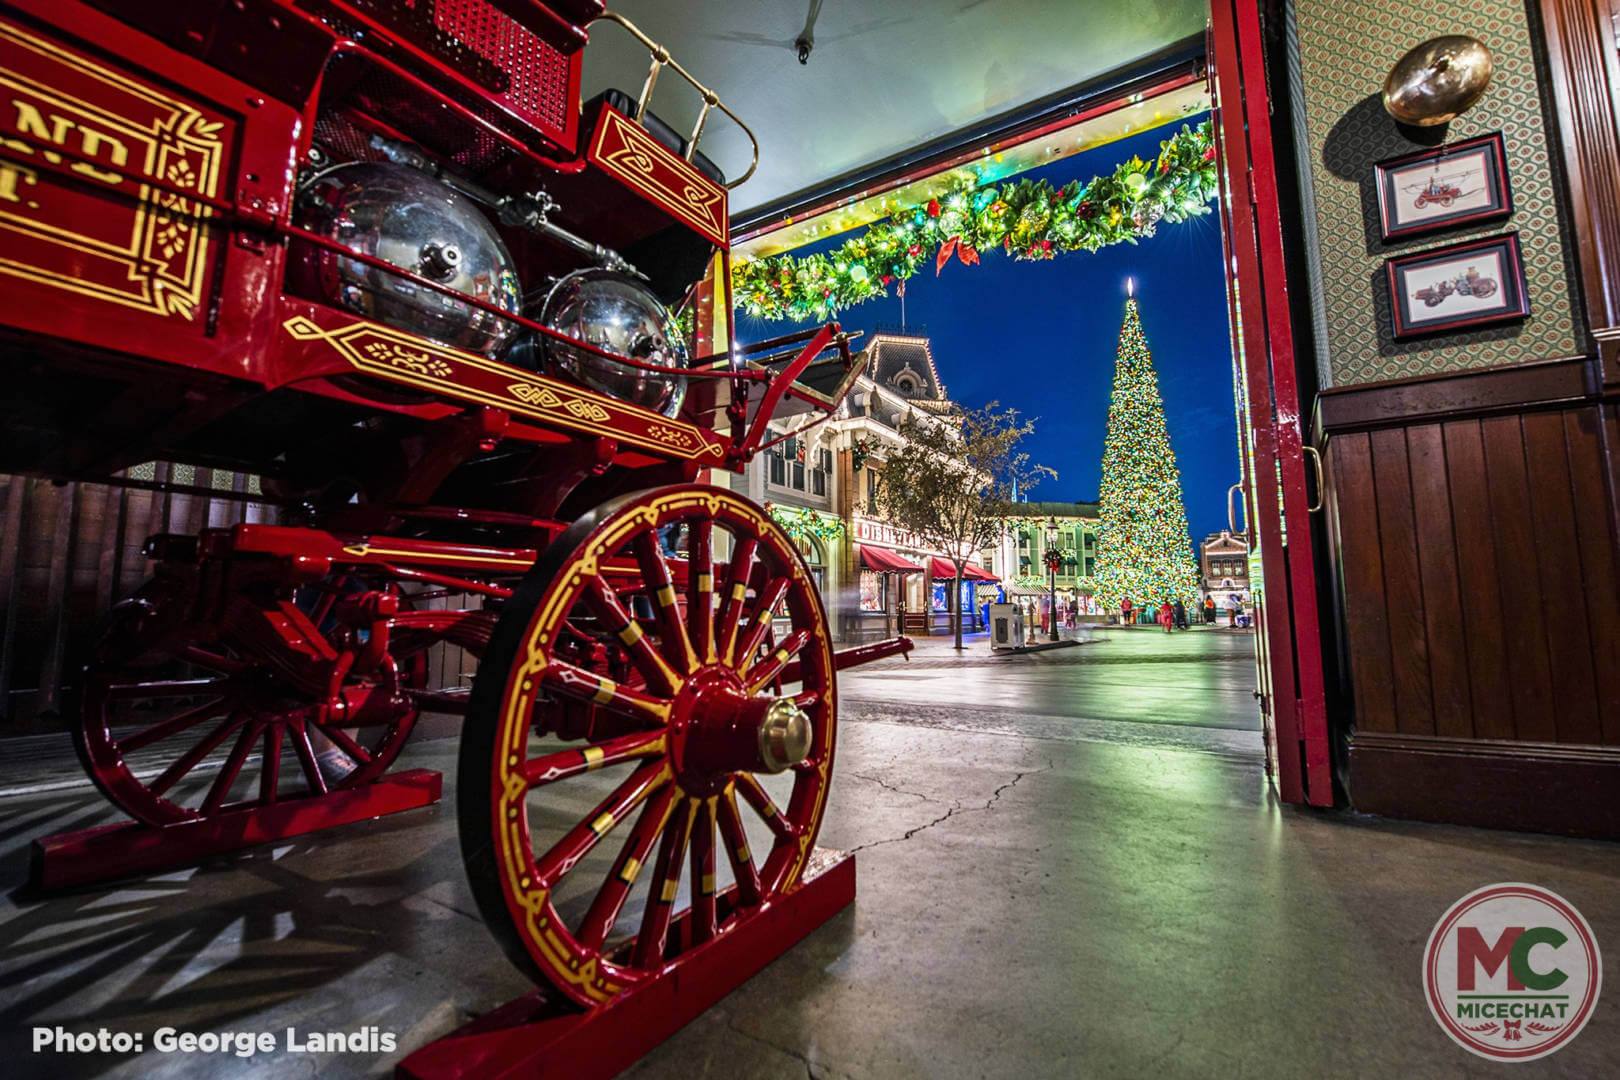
149, 252
57, 128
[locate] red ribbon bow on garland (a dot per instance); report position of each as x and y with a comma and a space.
968, 255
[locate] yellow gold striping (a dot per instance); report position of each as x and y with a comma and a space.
604, 691
743, 854
666, 596
708, 885
628, 872
739, 589
630, 634
602, 824
593, 757
705, 582
671, 887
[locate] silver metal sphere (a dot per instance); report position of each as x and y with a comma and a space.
618, 313
409, 219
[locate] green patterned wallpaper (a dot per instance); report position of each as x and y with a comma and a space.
1344, 49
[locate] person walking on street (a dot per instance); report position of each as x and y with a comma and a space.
1125, 612
1167, 615
1231, 612
1181, 615
1209, 611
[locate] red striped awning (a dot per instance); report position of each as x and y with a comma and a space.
885, 561
944, 571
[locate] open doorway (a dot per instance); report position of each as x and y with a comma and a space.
958, 321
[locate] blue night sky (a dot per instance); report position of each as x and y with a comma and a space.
1041, 337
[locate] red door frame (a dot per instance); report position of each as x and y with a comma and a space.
1288, 629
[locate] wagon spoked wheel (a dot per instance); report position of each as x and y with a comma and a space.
180, 724
620, 655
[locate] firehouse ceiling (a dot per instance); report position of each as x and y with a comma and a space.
881, 78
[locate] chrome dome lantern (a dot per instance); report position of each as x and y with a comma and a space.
617, 313
406, 218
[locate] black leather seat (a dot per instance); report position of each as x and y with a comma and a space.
624, 103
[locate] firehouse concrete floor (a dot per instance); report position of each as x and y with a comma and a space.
1070, 865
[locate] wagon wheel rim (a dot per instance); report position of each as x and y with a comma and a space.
212, 732
703, 684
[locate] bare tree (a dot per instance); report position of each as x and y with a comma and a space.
954, 479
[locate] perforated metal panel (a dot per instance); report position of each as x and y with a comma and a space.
537, 73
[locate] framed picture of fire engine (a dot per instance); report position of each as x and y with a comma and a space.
1461, 286
1457, 184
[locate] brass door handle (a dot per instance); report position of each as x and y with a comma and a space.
1231, 515
1321, 488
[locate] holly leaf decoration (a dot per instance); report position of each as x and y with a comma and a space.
945, 251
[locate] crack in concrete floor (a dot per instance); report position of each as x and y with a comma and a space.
995, 796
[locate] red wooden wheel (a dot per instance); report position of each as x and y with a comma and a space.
617, 655
164, 698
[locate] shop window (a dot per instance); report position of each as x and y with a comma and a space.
798, 475
811, 550
818, 475
872, 591
778, 474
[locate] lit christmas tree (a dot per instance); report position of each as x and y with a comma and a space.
1143, 550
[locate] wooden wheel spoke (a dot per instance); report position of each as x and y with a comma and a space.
574, 682
700, 588
610, 898
666, 882
731, 607
232, 768
674, 641
735, 838
749, 788
769, 597
565, 854
647, 660
270, 771
703, 883
768, 670
348, 745
190, 759
306, 759
565, 763
175, 724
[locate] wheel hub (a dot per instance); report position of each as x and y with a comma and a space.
718, 729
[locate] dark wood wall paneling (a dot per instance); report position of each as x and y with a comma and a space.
1479, 566
1479, 557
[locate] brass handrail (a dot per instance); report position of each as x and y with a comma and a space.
661, 57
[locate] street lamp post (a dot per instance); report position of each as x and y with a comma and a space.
1052, 560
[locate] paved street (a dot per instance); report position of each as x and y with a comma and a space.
1070, 865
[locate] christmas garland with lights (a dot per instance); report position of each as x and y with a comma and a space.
1028, 220
798, 521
